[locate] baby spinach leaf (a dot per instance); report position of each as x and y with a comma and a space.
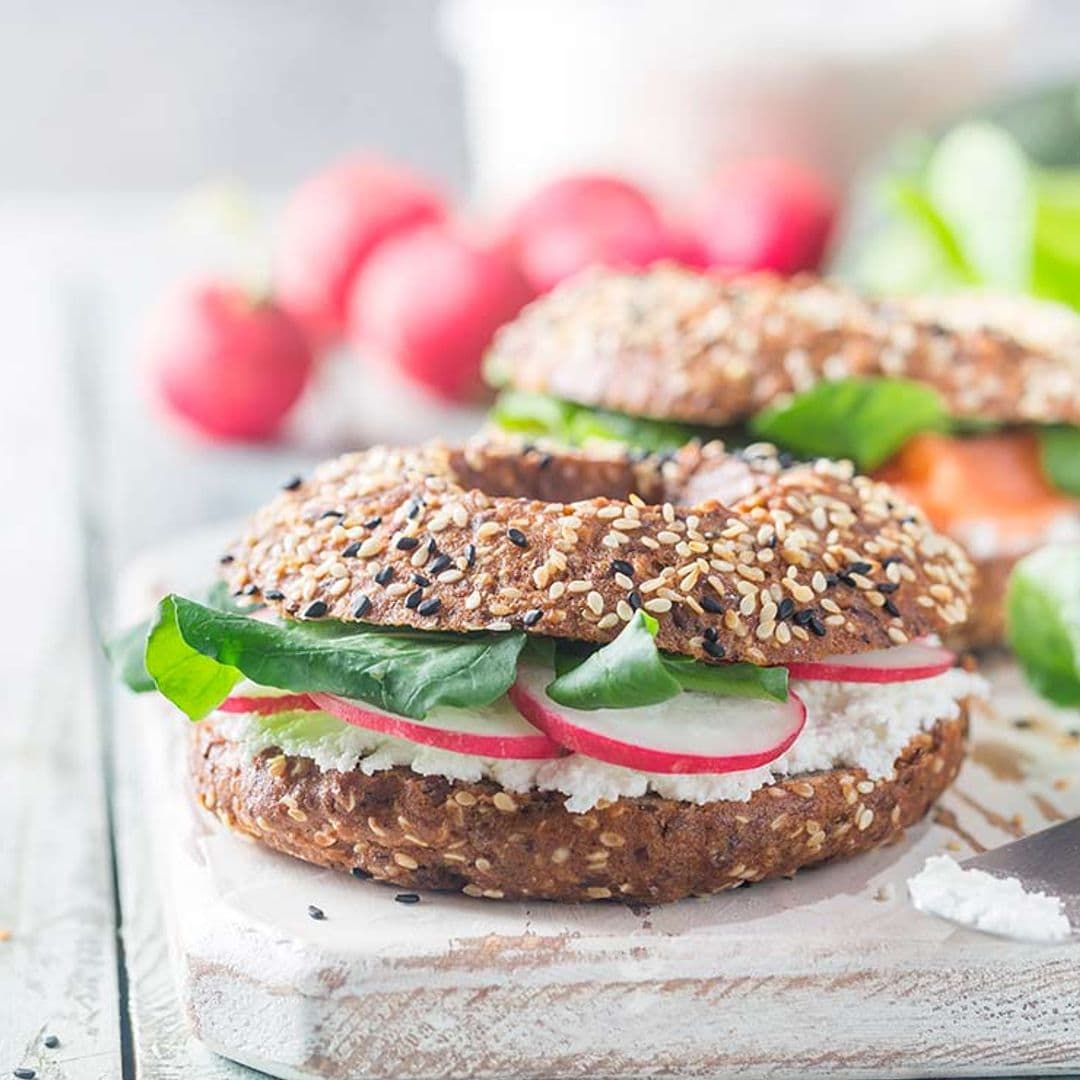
867, 420
631, 672
401, 671
1059, 449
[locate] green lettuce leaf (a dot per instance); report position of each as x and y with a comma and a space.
1043, 616
195, 655
867, 420
575, 425
1059, 449
631, 672
127, 650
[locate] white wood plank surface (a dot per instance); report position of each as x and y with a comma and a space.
832, 973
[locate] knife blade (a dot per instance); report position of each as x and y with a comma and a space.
1047, 861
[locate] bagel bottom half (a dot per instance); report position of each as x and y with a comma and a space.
414, 831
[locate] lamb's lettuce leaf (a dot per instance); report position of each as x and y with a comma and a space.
1043, 616
864, 419
631, 672
195, 655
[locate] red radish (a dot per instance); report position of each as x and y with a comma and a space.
691, 733
904, 663
331, 225
494, 731
268, 704
230, 364
429, 301
580, 221
766, 214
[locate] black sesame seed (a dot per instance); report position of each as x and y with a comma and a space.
414, 508
51, 1042
785, 609
1023, 723
860, 568
621, 566
545, 461
315, 913
273, 594
802, 618
332, 513
23, 1073
890, 607
831, 580
363, 606
373, 523
226, 559
909, 519
714, 649
414, 598
711, 633
419, 579
633, 598
385, 576
846, 579
440, 564
470, 555
888, 587
407, 543
407, 898
351, 550
360, 872
817, 626
890, 559
250, 590
293, 483
430, 606
517, 537
712, 605
316, 609
531, 618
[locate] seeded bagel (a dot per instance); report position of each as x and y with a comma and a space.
428, 832
798, 563
673, 344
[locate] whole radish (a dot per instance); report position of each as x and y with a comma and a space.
765, 214
228, 364
586, 220
332, 224
429, 301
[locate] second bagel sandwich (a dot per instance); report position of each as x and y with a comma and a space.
546, 674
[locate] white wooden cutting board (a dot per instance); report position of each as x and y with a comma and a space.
831, 973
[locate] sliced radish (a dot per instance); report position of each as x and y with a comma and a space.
267, 704
493, 731
691, 733
904, 663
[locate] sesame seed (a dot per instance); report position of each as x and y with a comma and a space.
406, 862
503, 802
633, 598
332, 513
430, 606
315, 913
414, 598
419, 579
658, 606
316, 610
274, 594
292, 483
517, 537
785, 609
352, 550
385, 575
621, 566
373, 545
816, 626
439, 564
608, 621
363, 606
470, 555
406, 543
714, 649
531, 618
373, 523
595, 602
711, 604
407, 898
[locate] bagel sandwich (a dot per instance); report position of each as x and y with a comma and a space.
521, 673
969, 404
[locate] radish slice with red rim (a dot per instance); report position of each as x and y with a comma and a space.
267, 704
491, 731
690, 733
903, 663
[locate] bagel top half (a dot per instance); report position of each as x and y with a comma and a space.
737, 556
674, 344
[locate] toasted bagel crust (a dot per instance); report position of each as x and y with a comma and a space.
985, 626
801, 563
679, 345
427, 832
